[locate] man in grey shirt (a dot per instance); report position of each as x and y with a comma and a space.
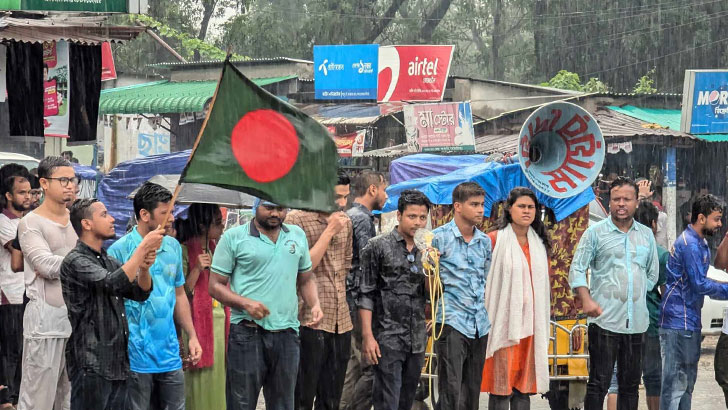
46, 236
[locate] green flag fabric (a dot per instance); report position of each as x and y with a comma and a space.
253, 142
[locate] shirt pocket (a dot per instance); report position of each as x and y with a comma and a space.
641, 256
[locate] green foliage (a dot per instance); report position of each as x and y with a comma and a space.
645, 85
594, 85
566, 80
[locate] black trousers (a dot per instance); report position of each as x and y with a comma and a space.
11, 351
324, 357
605, 348
721, 365
396, 378
460, 362
89, 391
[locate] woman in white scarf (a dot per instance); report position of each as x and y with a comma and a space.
517, 298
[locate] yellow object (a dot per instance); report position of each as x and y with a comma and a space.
575, 367
431, 266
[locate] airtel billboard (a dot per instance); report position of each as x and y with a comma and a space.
413, 73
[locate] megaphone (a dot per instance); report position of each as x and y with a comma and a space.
561, 149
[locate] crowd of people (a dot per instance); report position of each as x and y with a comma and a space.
317, 310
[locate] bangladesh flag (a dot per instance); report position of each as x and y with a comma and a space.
255, 143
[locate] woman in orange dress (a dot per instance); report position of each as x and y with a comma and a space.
518, 304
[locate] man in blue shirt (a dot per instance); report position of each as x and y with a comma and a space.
154, 357
256, 270
465, 254
622, 257
687, 285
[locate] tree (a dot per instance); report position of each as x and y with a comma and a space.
645, 85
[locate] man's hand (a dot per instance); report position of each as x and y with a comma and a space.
591, 308
195, 350
645, 189
336, 222
149, 259
153, 240
316, 316
370, 349
256, 310
204, 261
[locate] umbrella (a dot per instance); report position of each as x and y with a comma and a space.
202, 193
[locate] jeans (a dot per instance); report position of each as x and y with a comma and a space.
396, 378
11, 351
721, 365
256, 359
651, 367
680, 355
90, 391
321, 374
606, 348
168, 388
459, 369
516, 401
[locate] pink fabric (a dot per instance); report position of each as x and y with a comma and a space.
201, 306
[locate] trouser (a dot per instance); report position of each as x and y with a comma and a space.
357, 394
257, 359
44, 384
396, 378
651, 367
605, 348
322, 369
680, 356
11, 351
721, 365
514, 401
89, 391
164, 391
460, 362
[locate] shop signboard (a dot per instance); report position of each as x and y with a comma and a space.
347, 72
93, 6
439, 127
705, 102
56, 88
413, 73
351, 145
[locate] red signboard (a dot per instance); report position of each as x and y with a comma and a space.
413, 73
108, 70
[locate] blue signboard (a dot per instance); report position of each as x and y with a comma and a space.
346, 72
705, 102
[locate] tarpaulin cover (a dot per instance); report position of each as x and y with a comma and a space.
496, 179
86, 172
127, 176
427, 165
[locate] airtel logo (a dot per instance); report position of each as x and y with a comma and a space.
423, 67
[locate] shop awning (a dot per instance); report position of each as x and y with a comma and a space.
84, 30
164, 97
667, 119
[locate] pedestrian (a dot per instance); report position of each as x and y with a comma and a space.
15, 192
518, 302
369, 190
686, 286
648, 215
391, 303
256, 270
46, 236
465, 255
94, 287
154, 357
325, 349
622, 257
16, 253
198, 235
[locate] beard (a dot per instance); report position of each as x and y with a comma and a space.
269, 224
710, 232
19, 207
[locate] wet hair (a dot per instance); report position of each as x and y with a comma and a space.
199, 219
81, 209
412, 197
149, 196
343, 178
48, 166
621, 181
646, 213
364, 180
465, 191
8, 173
34, 182
706, 204
537, 223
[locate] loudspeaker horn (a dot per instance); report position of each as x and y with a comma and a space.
561, 149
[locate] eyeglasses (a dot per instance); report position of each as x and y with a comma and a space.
65, 180
411, 260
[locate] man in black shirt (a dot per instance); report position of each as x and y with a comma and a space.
391, 303
94, 287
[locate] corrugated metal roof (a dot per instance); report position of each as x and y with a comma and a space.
78, 30
669, 119
499, 144
161, 97
357, 114
235, 62
615, 123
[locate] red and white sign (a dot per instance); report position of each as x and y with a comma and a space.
108, 69
413, 73
351, 145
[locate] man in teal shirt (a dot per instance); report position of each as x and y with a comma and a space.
154, 357
622, 257
264, 262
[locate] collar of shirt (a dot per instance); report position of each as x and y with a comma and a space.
614, 227
256, 233
694, 236
9, 214
478, 235
363, 208
84, 248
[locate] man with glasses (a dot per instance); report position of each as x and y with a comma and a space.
391, 301
46, 236
264, 262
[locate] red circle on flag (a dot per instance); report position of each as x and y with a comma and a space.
265, 144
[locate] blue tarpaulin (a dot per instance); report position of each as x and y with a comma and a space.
496, 179
427, 165
127, 176
86, 172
